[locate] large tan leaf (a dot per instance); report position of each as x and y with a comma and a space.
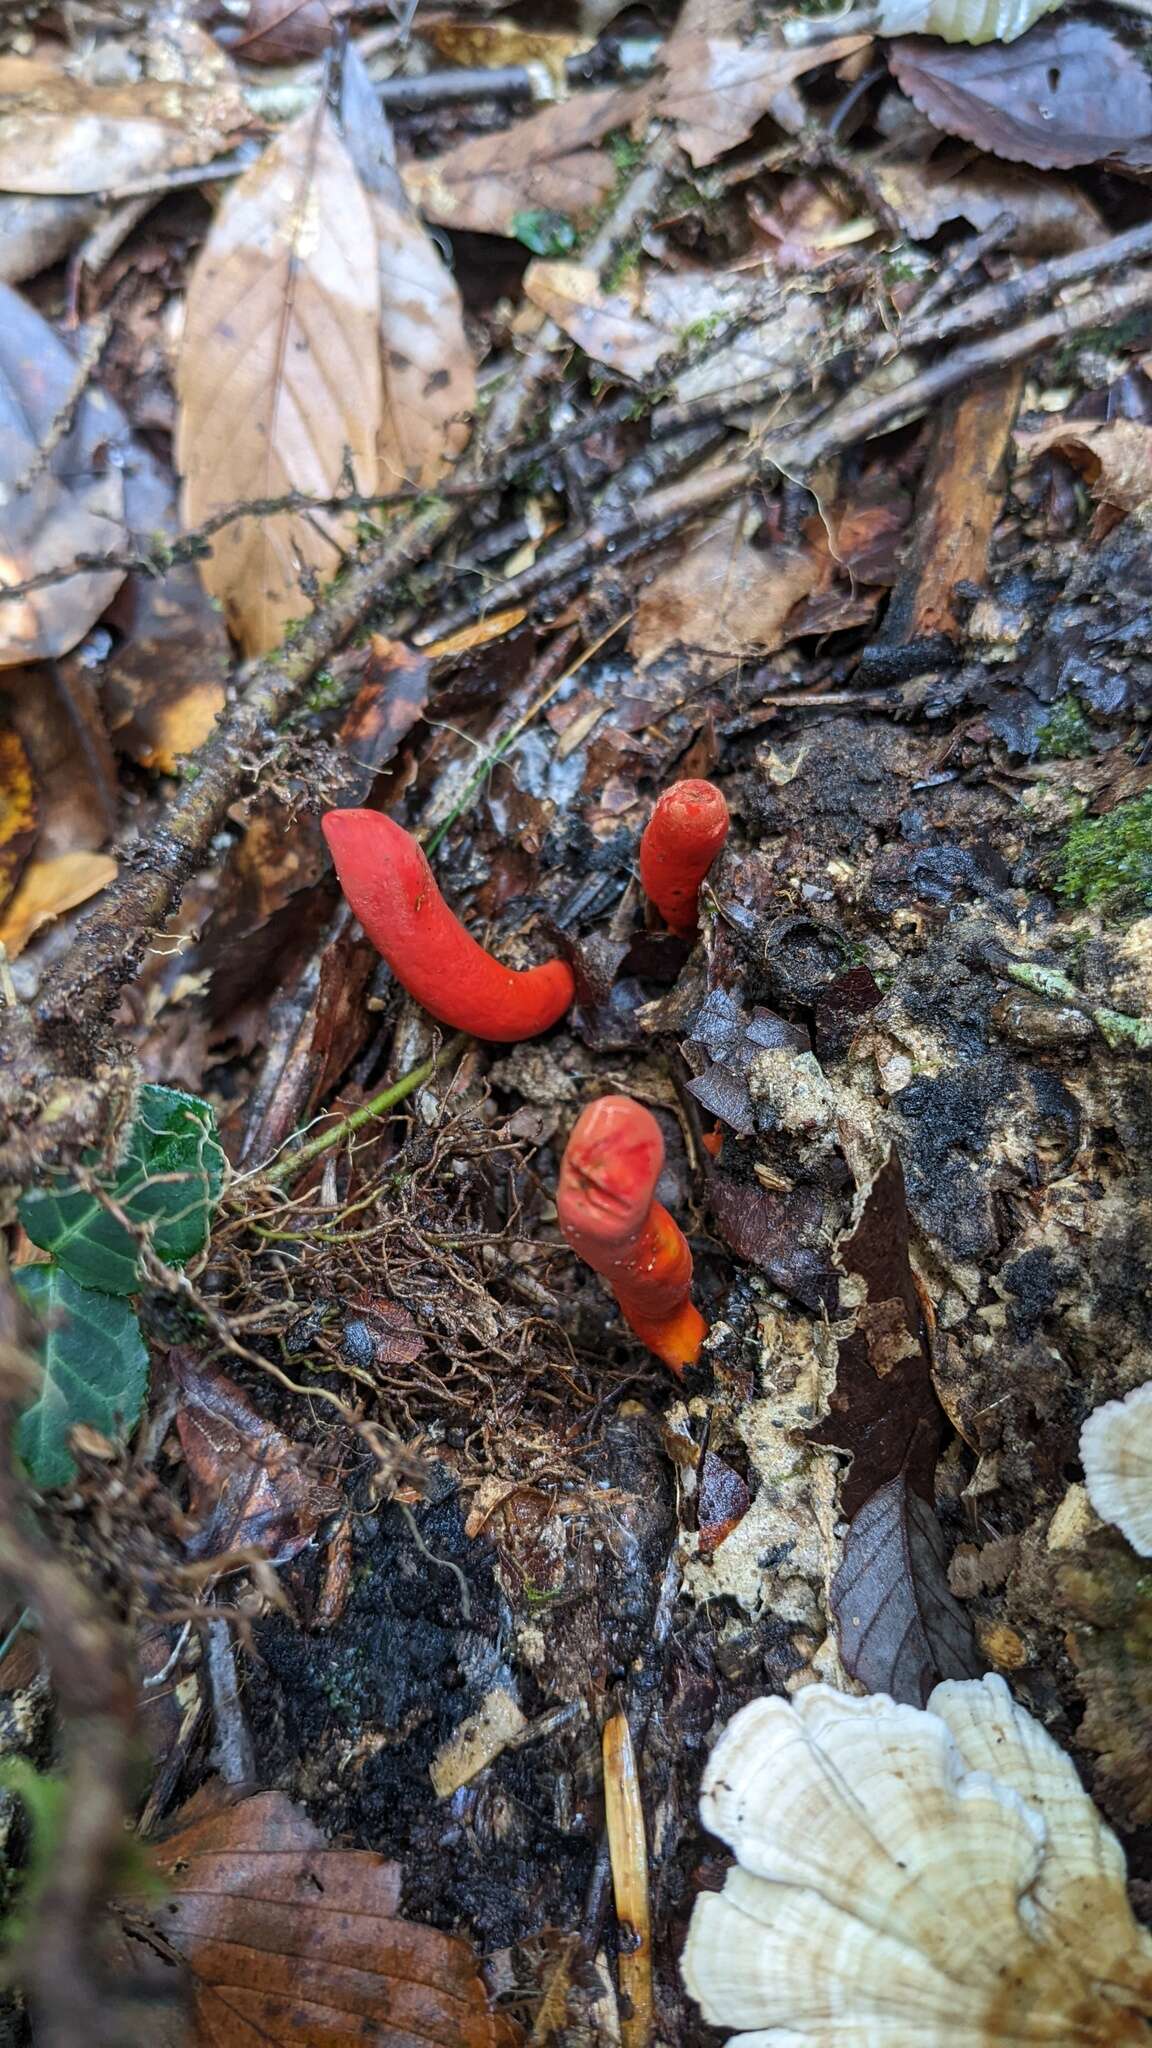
290, 1942
279, 375
722, 598
56, 502
550, 161
60, 134
716, 90
428, 373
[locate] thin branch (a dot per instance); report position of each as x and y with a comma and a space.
289, 1166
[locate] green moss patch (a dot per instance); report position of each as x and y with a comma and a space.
1108, 861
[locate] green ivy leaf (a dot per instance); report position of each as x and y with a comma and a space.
95, 1370
168, 1181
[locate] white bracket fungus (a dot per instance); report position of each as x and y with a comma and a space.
1116, 1453
912, 1879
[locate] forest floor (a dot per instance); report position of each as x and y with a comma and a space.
753, 399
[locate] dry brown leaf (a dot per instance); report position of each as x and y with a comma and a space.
250, 1484
1051, 214
1115, 456
548, 162
428, 373
279, 374
48, 887
59, 134
722, 597
1068, 93
53, 508
17, 811
484, 44
282, 31
55, 709
716, 90
289, 1942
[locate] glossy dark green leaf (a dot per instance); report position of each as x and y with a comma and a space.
95, 1370
167, 1184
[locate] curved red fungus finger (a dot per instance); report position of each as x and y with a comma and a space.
388, 883
678, 846
610, 1217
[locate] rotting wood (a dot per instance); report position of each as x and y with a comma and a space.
960, 499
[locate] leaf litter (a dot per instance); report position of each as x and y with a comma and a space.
807, 454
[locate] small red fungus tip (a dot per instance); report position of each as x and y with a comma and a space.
388, 883
610, 1217
678, 846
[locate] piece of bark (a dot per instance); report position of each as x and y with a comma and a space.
960, 499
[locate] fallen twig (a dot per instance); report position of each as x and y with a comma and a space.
379, 1106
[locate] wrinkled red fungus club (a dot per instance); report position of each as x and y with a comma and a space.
678, 846
609, 1216
390, 886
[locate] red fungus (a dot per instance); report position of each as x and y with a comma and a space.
389, 884
609, 1216
679, 844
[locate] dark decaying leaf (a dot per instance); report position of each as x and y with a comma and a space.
287, 1941
283, 31
250, 1483
55, 709
1051, 215
722, 595
55, 717
725, 1040
57, 506
898, 1626
1069, 92
722, 1502
163, 686
94, 1366
380, 1333
780, 1233
841, 1008
884, 1407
